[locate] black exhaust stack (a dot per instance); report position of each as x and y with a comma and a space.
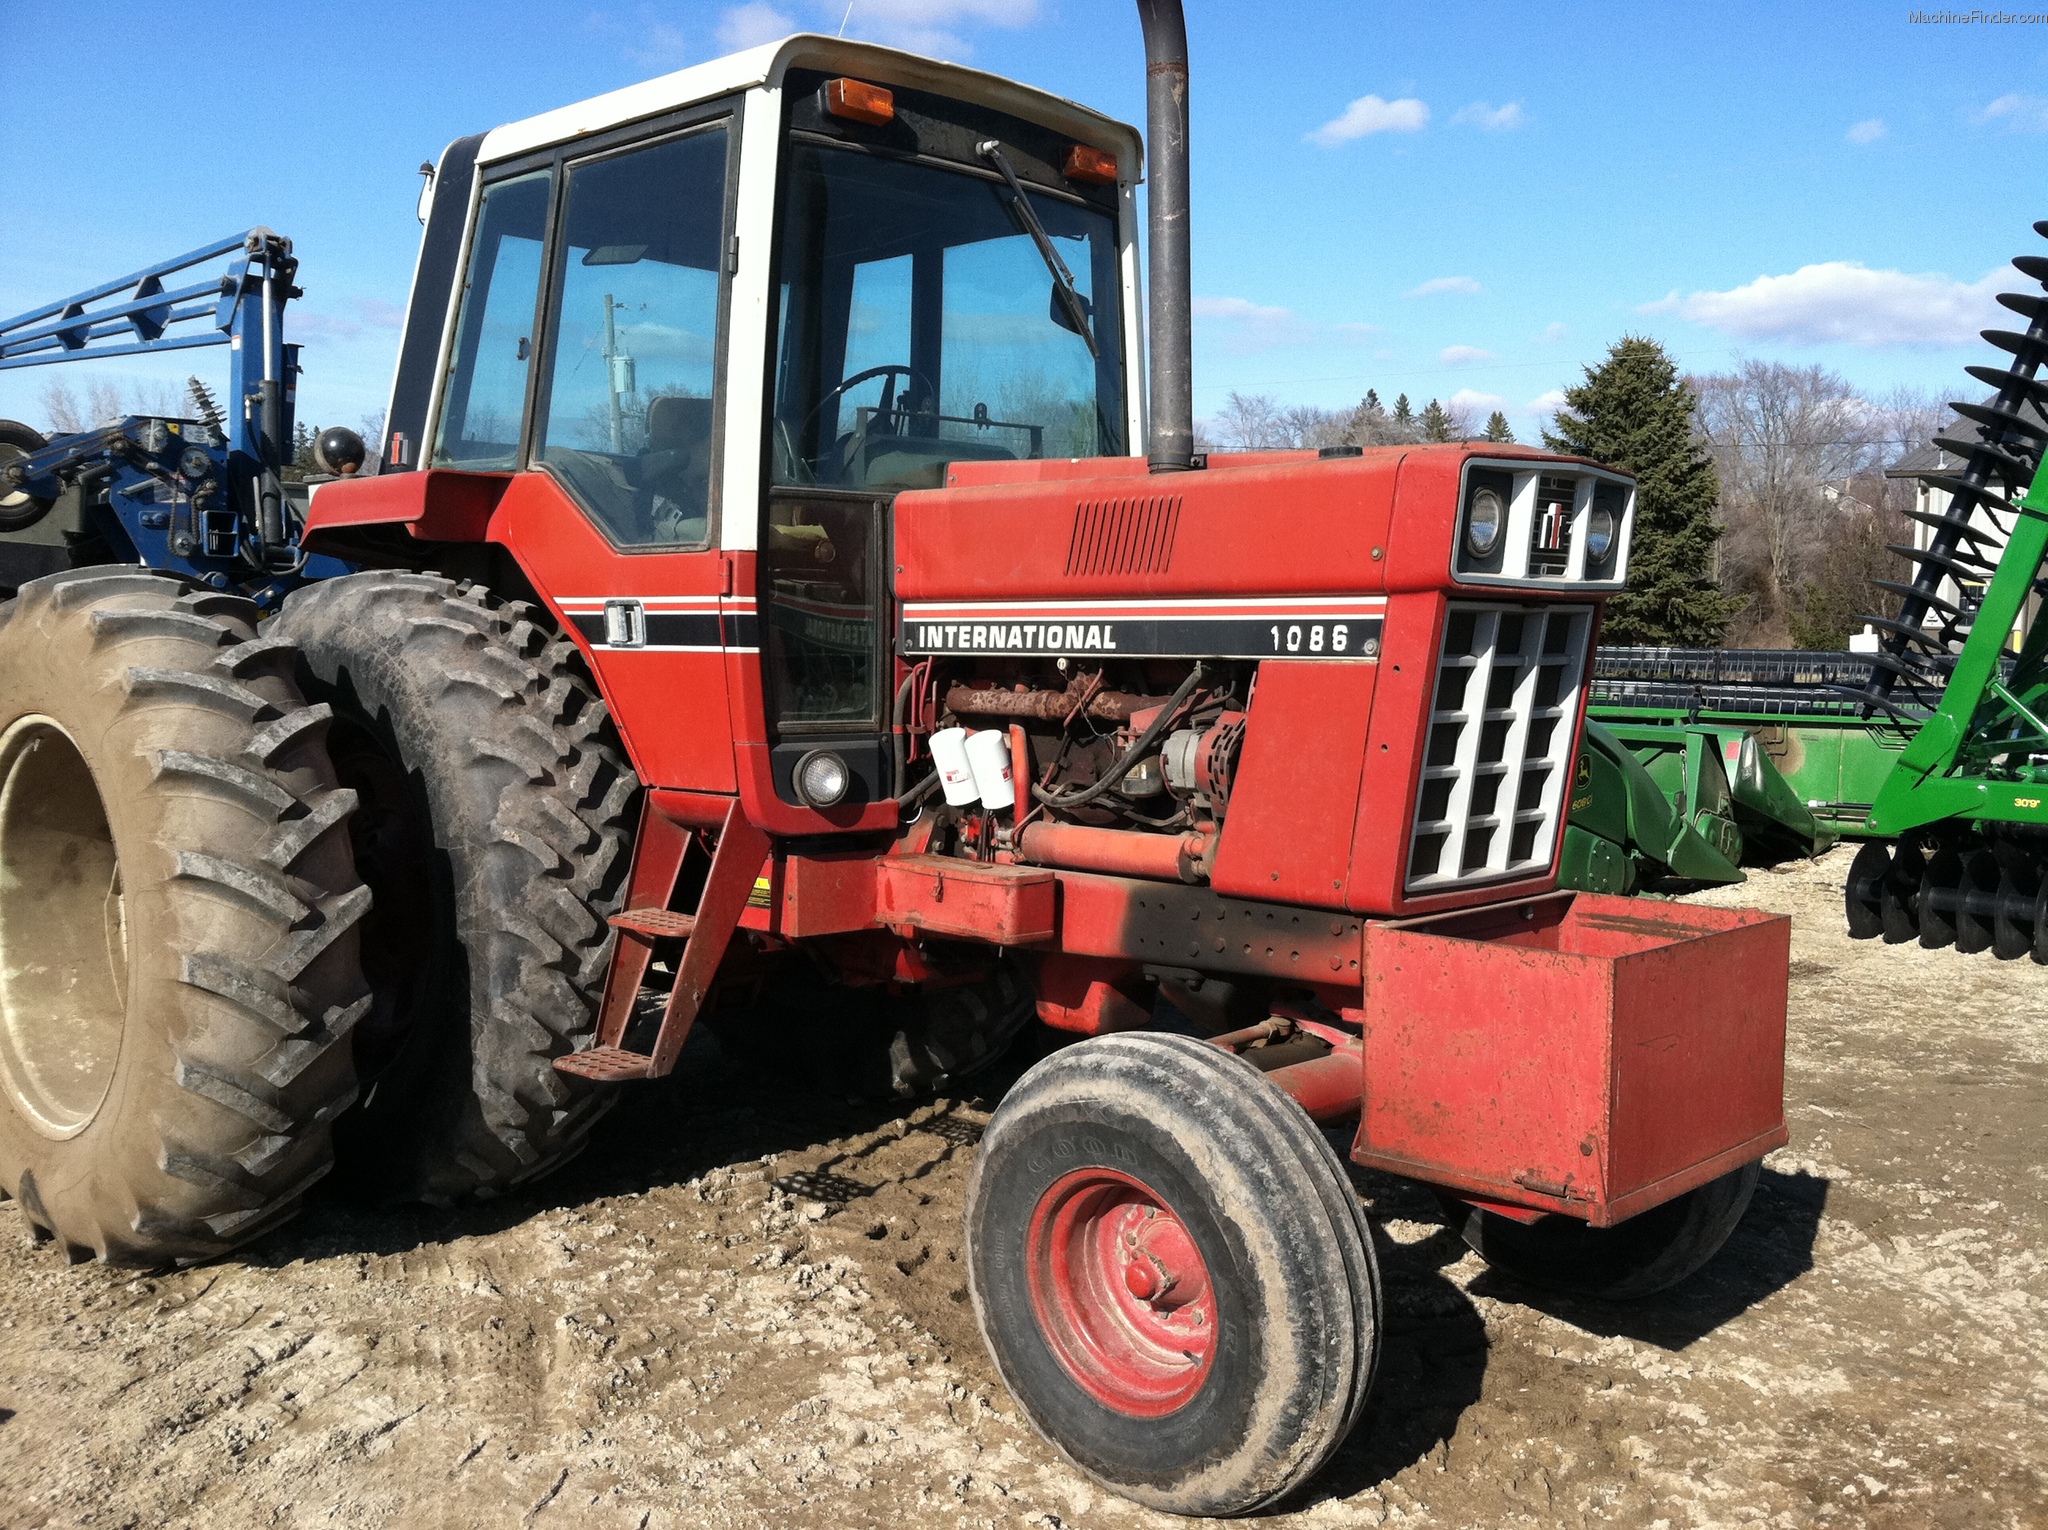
1172, 430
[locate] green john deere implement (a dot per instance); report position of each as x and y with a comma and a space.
1968, 798
1697, 762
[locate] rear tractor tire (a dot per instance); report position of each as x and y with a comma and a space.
1172, 1272
20, 509
178, 918
495, 828
1646, 1254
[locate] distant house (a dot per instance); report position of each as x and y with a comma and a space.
1931, 500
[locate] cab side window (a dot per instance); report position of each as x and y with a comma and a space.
627, 422
483, 405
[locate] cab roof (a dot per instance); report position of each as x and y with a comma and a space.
767, 64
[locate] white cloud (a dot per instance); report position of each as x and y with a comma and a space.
371, 314
2018, 113
1243, 326
1439, 284
1843, 302
926, 26
1246, 326
1867, 131
661, 45
1463, 355
748, 26
1476, 402
1546, 404
1240, 310
647, 41
1552, 333
1372, 114
1484, 114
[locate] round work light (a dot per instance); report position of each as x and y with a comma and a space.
822, 779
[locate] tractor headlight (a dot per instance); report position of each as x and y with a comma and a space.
195, 463
821, 778
1484, 518
1599, 534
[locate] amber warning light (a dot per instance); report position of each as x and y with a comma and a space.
1092, 165
858, 101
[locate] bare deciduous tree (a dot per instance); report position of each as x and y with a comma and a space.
1780, 436
1801, 457
1257, 422
106, 399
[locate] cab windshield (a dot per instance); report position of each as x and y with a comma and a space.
918, 324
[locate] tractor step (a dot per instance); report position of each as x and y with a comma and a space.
607, 1065
657, 923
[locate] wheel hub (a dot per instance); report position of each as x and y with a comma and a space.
1121, 1292
63, 932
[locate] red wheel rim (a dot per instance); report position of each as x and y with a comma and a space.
1121, 1293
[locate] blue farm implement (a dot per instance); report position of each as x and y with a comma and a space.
203, 495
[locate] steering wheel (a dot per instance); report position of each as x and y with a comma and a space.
888, 392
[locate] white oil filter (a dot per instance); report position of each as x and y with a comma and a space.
988, 756
956, 776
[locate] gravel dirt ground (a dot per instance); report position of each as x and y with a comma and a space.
745, 1306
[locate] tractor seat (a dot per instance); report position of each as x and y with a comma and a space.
675, 470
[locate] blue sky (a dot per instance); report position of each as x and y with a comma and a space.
1468, 200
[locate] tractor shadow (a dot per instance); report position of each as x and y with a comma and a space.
1434, 1345
715, 1111
752, 1082
1770, 1248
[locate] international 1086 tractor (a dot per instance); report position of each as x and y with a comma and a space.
778, 565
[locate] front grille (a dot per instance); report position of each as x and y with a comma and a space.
1497, 756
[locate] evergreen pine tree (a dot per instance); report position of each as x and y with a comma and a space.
302, 446
1403, 415
1368, 425
1633, 412
1436, 425
1497, 427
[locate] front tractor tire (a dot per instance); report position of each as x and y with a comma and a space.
495, 830
178, 917
1172, 1272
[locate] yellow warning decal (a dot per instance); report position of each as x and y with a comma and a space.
763, 894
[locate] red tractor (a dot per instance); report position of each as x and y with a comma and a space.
777, 566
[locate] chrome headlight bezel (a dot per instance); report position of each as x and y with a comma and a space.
1486, 519
1601, 529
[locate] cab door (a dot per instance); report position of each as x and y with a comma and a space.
616, 519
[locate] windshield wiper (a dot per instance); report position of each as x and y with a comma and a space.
1064, 292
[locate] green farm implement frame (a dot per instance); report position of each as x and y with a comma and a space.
1967, 802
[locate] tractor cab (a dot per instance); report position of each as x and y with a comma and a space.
676, 351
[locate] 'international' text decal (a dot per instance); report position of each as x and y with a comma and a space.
1281, 627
